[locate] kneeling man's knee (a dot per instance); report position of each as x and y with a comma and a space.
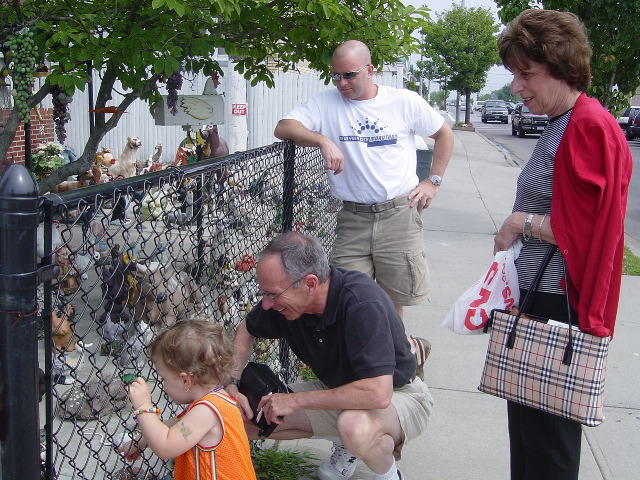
356, 429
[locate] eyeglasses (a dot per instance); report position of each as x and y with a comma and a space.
273, 298
347, 75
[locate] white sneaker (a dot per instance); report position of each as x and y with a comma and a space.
341, 466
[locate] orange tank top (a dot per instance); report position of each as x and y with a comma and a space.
228, 460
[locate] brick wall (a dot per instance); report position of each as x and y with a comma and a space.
42, 131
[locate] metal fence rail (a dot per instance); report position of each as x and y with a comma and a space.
186, 248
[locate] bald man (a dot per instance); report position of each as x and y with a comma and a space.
366, 134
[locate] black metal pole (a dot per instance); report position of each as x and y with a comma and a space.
19, 419
288, 185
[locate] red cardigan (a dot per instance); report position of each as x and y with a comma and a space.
591, 177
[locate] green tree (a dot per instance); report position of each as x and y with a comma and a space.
505, 94
437, 98
137, 45
463, 40
615, 66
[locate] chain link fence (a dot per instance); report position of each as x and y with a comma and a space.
139, 254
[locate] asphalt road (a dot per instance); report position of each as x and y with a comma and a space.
520, 150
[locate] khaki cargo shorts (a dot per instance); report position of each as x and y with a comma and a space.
386, 242
413, 403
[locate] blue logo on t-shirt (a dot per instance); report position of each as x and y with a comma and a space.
371, 140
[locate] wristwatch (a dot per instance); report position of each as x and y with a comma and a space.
436, 180
235, 381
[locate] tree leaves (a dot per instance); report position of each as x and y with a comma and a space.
615, 65
139, 42
461, 46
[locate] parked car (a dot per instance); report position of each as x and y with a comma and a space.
523, 121
634, 127
624, 120
478, 105
494, 110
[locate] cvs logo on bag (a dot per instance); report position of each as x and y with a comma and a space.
477, 307
496, 289
480, 301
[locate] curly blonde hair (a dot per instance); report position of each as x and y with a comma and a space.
197, 347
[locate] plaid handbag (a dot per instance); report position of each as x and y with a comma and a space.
544, 364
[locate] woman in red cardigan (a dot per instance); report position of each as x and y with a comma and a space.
573, 193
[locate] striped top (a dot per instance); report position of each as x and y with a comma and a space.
533, 195
228, 460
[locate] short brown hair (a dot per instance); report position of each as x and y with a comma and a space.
555, 39
197, 347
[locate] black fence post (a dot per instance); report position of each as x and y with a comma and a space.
288, 186
19, 420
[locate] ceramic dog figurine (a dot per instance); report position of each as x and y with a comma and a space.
125, 165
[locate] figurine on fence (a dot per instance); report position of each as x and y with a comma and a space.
68, 276
125, 165
62, 329
132, 355
83, 180
98, 398
68, 352
97, 229
107, 157
165, 296
56, 238
156, 203
215, 145
117, 283
152, 164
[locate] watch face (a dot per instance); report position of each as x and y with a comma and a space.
436, 180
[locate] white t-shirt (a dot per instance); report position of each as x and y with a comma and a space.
375, 136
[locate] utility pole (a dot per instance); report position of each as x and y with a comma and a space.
420, 64
457, 92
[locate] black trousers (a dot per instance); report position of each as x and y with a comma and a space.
544, 446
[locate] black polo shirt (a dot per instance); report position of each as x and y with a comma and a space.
360, 334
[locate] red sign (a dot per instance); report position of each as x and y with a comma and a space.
239, 109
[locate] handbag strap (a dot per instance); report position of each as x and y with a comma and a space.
528, 300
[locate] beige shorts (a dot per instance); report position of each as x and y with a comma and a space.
413, 403
387, 244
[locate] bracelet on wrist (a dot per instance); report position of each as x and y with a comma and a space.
139, 411
527, 231
540, 227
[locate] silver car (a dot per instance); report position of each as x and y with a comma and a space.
494, 110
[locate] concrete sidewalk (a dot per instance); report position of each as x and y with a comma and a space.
467, 438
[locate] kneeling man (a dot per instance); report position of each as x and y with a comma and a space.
340, 323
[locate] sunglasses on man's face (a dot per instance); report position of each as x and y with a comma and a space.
347, 75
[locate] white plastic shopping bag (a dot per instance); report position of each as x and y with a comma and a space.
498, 288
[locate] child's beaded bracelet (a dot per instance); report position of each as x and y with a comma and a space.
135, 413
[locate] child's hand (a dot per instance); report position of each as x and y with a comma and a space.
130, 451
139, 393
